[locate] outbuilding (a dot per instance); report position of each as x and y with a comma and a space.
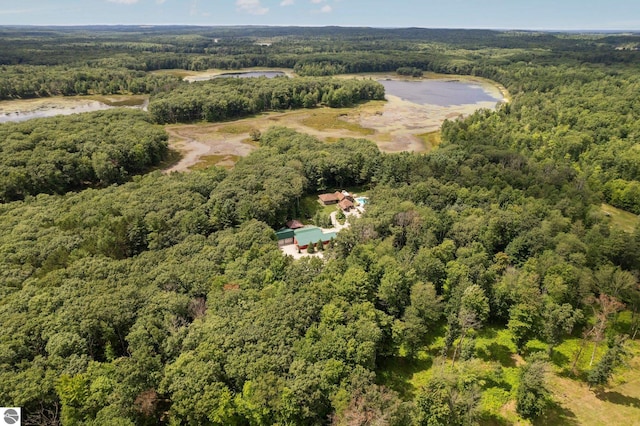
285, 236
311, 235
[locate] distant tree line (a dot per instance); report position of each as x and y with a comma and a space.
25, 81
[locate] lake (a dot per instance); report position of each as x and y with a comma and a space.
443, 93
17, 116
26, 109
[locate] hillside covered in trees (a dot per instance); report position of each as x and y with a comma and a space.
482, 278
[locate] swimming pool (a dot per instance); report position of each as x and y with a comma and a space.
362, 200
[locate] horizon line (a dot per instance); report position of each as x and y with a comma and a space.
598, 30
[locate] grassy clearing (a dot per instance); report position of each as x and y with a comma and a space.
618, 404
496, 367
620, 218
309, 206
235, 128
331, 119
431, 139
120, 100
223, 160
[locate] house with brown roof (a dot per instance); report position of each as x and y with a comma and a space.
328, 199
346, 205
334, 198
345, 195
295, 224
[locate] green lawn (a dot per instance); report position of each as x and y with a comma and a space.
309, 206
496, 366
620, 218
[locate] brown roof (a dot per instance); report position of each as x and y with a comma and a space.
339, 196
327, 198
346, 204
294, 224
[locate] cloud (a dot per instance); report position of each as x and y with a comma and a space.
326, 9
316, 1
287, 2
160, 1
123, 1
252, 7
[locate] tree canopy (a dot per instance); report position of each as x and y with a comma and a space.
164, 299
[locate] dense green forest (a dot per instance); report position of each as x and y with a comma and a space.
225, 98
23, 81
59, 154
486, 264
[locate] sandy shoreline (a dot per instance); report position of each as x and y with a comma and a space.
25, 109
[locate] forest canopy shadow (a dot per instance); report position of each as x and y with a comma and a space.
497, 352
556, 415
618, 398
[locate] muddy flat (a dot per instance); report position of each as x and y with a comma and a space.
395, 125
197, 142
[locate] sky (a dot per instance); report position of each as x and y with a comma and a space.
494, 14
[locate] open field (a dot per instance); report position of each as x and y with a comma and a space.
573, 403
621, 219
207, 145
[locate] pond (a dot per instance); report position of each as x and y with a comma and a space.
26, 109
249, 74
443, 93
16, 116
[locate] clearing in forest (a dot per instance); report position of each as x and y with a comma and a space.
395, 125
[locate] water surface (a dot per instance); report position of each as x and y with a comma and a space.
17, 116
443, 93
22, 110
249, 74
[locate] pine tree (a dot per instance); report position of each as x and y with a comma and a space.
603, 371
532, 394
